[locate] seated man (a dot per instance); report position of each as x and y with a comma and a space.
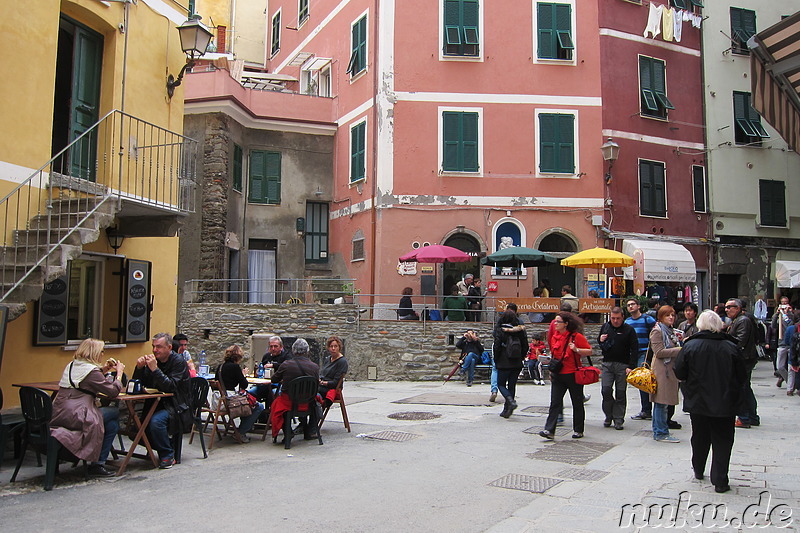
299, 365
273, 359
471, 351
166, 371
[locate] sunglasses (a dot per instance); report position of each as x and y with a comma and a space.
731, 307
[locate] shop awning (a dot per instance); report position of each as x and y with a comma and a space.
775, 77
663, 261
787, 274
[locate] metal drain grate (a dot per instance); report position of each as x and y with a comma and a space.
414, 415
543, 409
394, 436
560, 431
527, 483
575, 453
583, 474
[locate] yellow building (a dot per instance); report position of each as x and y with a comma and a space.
91, 151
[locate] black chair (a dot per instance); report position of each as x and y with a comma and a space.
302, 392
10, 425
200, 389
37, 409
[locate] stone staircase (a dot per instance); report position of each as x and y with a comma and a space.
41, 252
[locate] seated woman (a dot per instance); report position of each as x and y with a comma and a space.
232, 376
332, 371
77, 423
406, 310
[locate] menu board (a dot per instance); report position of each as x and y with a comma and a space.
51, 313
137, 301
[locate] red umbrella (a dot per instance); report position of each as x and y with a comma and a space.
436, 253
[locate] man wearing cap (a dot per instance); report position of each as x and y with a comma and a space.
464, 285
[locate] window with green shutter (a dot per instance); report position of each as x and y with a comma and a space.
652, 189
653, 87
302, 11
238, 159
358, 54
358, 152
556, 143
265, 177
461, 32
459, 141
772, 199
747, 122
276, 33
699, 188
743, 26
680, 4
554, 32
316, 237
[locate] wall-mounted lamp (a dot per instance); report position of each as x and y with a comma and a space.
610, 151
318, 192
194, 41
115, 238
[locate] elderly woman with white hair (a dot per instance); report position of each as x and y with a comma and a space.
299, 365
713, 373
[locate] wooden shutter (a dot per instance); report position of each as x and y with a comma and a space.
547, 143
566, 144
699, 188
563, 26
237, 167
470, 142
451, 139
358, 152
659, 190
257, 187
469, 21
772, 197
272, 174
646, 188
546, 31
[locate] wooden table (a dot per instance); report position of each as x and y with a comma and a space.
130, 401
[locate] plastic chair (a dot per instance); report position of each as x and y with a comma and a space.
10, 425
302, 392
340, 400
200, 390
37, 409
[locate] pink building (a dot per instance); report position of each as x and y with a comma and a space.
460, 122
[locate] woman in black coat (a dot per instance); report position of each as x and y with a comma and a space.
713, 373
511, 345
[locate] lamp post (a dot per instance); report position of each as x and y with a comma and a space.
194, 41
610, 151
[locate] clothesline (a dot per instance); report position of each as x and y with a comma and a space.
668, 21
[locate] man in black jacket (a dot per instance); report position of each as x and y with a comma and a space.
471, 351
743, 330
166, 371
620, 348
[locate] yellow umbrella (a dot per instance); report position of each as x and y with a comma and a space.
597, 258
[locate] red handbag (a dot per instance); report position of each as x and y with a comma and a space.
586, 375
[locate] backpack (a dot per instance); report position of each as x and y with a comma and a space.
760, 332
513, 347
795, 345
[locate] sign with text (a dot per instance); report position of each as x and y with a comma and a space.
552, 305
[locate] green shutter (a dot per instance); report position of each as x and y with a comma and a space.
680, 4
645, 188
748, 23
461, 31
772, 198
358, 152
470, 142
360, 37
699, 188
237, 167
563, 24
273, 177
546, 31
451, 139
276, 33
303, 14
547, 143
257, 188
460, 141
566, 144
469, 21
659, 192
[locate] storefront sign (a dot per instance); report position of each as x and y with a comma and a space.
553, 305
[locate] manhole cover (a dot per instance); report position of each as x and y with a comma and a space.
576, 453
414, 415
395, 436
560, 431
537, 409
527, 483
583, 474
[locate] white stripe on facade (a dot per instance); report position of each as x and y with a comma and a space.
499, 202
18, 174
653, 140
351, 209
355, 113
652, 42
384, 101
485, 98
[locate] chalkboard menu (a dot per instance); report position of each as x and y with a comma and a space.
137, 301
51, 313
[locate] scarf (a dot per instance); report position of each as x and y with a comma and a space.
670, 340
80, 369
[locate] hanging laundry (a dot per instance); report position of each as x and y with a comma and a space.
687, 294
668, 17
678, 29
696, 21
654, 21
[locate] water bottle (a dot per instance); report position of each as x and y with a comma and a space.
260, 371
202, 357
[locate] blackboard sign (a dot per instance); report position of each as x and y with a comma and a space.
137, 301
51, 313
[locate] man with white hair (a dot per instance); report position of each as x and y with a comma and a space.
299, 365
464, 285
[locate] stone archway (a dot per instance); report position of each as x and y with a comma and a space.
560, 244
452, 273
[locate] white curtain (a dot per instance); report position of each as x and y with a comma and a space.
261, 273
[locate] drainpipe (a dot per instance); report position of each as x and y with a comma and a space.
374, 193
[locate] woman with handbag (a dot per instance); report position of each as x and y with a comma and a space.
567, 345
232, 376
664, 347
510, 337
713, 374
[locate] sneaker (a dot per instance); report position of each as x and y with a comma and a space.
493, 397
587, 397
98, 470
779, 384
546, 435
577, 435
166, 463
740, 424
243, 439
642, 416
469, 384
607, 423
542, 382
671, 424
619, 427
668, 438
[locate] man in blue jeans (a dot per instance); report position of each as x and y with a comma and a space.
471, 351
641, 324
166, 371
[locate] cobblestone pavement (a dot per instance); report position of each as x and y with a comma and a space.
436, 466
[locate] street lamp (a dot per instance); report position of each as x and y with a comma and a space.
610, 151
194, 41
115, 238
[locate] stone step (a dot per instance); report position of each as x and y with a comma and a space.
69, 220
40, 237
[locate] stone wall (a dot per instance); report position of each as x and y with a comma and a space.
400, 350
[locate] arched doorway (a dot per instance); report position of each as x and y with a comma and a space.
452, 273
559, 245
